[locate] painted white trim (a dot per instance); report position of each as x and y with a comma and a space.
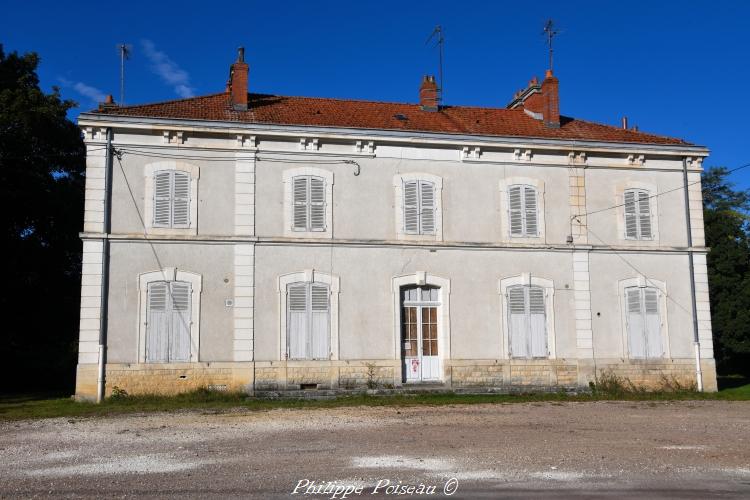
309, 276
421, 278
503, 186
398, 186
549, 309
287, 178
653, 202
644, 282
170, 274
148, 202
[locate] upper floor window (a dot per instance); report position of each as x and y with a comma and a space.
527, 322
419, 206
309, 202
171, 199
637, 205
308, 205
522, 211
643, 322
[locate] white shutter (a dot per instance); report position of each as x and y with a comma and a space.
319, 321
317, 204
157, 326
518, 322
644, 215
427, 207
530, 211
297, 308
654, 346
635, 324
411, 207
180, 199
537, 324
162, 199
515, 210
300, 203
179, 335
631, 217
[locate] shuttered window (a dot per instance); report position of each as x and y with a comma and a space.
171, 199
308, 310
168, 322
643, 323
526, 313
637, 214
309, 203
419, 207
522, 211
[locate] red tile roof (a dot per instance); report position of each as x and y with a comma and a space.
313, 111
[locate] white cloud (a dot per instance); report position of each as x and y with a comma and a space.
168, 70
88, 91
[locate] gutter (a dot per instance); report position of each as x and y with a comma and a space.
105, 271
696, 338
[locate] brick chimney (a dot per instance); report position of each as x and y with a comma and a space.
551, 100
428, 94
237, 84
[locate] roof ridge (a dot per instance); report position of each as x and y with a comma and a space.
170, 101
631, 131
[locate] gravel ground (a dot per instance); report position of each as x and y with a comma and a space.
560, 450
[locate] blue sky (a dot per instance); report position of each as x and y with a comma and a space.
674, 68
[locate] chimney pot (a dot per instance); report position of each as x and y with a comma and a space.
109, 99
624, 122
241, 54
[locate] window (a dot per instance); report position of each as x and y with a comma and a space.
168, 322
643, 322
637, 214
522, 211
171, 199
308, 311
309, 213
527, 322
419, 207
169, 312
308, 203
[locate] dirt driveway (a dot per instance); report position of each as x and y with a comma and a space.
612, 449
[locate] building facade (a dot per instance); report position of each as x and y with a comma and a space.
251, 242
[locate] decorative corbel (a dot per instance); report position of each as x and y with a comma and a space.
246, 141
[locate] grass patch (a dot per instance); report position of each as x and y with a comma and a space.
608, 389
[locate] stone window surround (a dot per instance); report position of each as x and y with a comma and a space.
422, 278
653, 204
148, 210
288, 180
398, 186
504, 185
643, 282
170, 274
309, 276
549, 309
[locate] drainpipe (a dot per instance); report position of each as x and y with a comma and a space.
696, 340
105, 269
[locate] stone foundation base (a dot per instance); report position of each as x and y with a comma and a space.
385, 374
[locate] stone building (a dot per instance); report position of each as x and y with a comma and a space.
244, 241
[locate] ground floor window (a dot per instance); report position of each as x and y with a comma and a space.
168, 319
308, 321
527, 322
643, 322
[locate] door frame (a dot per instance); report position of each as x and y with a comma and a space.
423, 278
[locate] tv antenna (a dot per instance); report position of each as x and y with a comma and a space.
125, 50
550, 32
437, 34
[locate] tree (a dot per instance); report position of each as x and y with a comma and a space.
728, 236
41, 207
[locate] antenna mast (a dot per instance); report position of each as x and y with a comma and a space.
124, 54
438, 33
550, 32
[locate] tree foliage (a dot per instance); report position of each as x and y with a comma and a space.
41, 207
728, 235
